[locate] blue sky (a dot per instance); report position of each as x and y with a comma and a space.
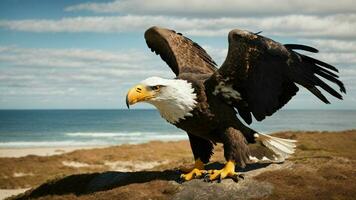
86, 54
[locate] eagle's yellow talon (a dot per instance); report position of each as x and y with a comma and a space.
227, 171
195, 173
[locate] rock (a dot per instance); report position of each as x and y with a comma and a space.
226, 189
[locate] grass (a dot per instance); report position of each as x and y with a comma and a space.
324, 167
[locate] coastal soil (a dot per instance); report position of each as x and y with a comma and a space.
323, 167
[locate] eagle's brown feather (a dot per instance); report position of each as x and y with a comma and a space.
265, 73
180, 53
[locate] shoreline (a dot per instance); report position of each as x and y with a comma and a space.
43, 151
13, 152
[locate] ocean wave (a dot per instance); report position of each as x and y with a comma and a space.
103, 134
167, 137
123, 134
64, 143
96, 139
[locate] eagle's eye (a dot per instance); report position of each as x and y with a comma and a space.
155, 87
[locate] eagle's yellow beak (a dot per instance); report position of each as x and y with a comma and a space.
138, 93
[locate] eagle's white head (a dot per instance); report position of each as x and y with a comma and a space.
174, 98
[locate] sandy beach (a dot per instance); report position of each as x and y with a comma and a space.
322, 168
40, 151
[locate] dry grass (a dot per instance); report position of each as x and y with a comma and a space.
324, 167
46, 168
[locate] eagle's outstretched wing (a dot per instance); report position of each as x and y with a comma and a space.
180, 53
259, 75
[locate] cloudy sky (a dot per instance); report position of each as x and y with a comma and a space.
86, 54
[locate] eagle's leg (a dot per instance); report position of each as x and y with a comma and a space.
196, 172
202, 151
198, 164
236, 152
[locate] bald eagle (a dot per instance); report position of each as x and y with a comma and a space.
258, 77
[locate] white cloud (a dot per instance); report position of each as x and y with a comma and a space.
211, 8
346, 59
218, 54
333, 45
335, 26
43, 72
43, 57
110, 71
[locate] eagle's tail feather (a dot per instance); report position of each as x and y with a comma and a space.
283, 148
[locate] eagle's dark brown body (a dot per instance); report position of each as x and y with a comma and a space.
214, 121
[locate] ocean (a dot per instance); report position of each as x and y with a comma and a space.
56, 128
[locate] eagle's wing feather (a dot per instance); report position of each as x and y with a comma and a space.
179, 52
264, 73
